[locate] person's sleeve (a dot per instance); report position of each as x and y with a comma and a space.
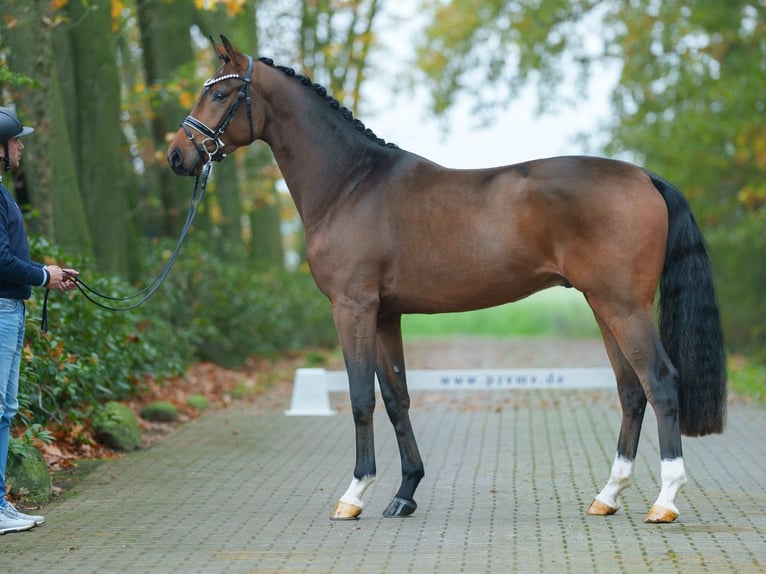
13, 269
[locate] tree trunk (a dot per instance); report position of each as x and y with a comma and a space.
49, 176
167, 48
266, 244
102, 160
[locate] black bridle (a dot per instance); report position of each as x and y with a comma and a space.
215, 135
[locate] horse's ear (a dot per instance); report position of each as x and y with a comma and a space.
219, 51
230, 50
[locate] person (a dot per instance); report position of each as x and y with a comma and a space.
18, 274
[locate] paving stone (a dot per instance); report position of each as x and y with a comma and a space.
509, 475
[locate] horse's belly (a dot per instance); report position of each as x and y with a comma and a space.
455, 290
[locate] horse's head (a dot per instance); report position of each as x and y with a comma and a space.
222, 120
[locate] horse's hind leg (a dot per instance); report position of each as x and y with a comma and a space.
393, 388
633, 402
634, 331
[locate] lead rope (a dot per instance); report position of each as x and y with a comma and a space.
91, 294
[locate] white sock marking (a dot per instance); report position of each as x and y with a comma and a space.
353, 494
619, 480
673, 476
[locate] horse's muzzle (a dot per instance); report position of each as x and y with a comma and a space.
176, 161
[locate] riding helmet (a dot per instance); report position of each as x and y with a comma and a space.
11, 126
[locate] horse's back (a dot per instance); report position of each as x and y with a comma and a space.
433, 239
556, 209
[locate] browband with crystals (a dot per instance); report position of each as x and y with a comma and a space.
212, 81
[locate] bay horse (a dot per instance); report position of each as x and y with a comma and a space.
389, 232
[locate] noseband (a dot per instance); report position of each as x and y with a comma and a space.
215, 135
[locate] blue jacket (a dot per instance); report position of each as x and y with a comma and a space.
17, 272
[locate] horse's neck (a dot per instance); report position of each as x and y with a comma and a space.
319, 156
319, 173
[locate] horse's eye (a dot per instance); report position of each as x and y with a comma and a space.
219, 96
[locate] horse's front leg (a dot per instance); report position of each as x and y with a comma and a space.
356, 331
393, 387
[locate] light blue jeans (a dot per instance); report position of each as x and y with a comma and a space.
11, 344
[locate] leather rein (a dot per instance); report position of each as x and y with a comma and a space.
200, 183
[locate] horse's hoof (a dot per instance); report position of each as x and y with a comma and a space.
400, 507
598, 508
660, 515
346, 511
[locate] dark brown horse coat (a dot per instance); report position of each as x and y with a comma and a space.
389, 233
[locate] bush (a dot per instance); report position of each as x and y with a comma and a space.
91, 355
230, 311
738, 263
208, 309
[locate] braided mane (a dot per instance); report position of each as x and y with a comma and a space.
321, 91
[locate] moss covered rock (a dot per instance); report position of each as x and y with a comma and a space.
117, 427
28, 476
198, 402
160, 411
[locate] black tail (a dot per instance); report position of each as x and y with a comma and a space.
690, 325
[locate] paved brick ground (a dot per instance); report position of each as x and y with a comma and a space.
508, 478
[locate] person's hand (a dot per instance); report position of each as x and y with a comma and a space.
61, 279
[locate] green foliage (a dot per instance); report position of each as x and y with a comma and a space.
331, 41
690, 103
115, 425
740, 267
14, 80
90, 355
160, 411
34, 436
471, 43
198, 402
208, 309
28, 476
229, 311
554, 312
748, 379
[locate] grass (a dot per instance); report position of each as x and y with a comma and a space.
747, 379
555, 312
